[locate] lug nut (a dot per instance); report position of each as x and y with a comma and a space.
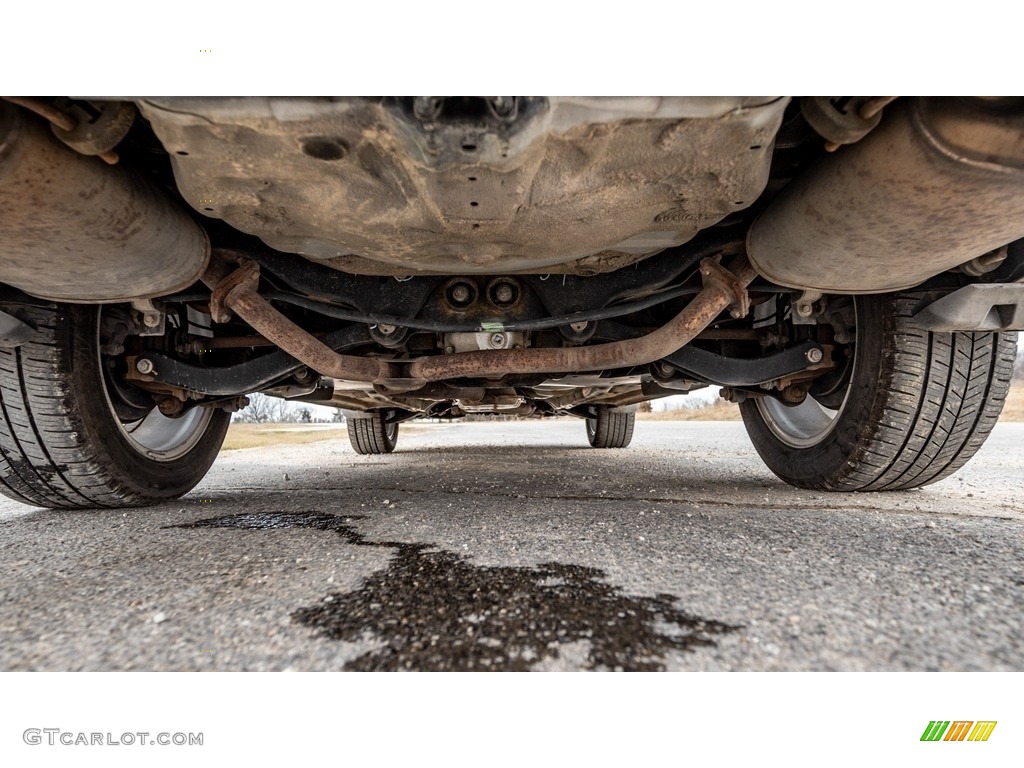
144, 366
814, 355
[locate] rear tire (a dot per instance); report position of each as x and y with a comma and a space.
61, 443
370, 434
611, 429
918, 405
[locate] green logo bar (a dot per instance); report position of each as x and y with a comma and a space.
935, 730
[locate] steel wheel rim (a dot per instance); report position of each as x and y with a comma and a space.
799, 426
162, 439
807, 424
156, 436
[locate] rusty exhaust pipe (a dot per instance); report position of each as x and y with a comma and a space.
723, 289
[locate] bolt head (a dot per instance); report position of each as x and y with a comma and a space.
804, 309
497, 340
503, 105
665, 370
151, 320
386, 328
460, 294
578, 327
144, 366
814, 355
503, 293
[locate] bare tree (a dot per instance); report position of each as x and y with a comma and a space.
260, 410
264, 410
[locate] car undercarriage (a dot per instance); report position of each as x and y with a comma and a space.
850, 270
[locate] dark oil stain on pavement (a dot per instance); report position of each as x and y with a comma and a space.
433, 610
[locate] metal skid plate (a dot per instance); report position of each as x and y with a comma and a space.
376, 186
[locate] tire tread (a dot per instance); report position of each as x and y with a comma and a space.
611, 429
368, 435
46, 456
937, 399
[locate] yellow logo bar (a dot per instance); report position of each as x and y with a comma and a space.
982, 730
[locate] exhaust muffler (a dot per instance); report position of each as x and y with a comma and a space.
75, 229
938, 183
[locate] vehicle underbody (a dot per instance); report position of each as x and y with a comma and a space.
432, 256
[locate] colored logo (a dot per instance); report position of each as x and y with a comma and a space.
959, 730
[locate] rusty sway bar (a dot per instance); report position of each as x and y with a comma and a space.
238, 291
724, 288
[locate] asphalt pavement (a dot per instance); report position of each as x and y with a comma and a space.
513, 545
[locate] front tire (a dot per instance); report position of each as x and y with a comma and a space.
917, 406
62, 444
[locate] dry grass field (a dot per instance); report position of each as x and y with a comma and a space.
720, 410
1014, 408
262, 435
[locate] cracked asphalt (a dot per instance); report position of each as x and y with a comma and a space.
513, 546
